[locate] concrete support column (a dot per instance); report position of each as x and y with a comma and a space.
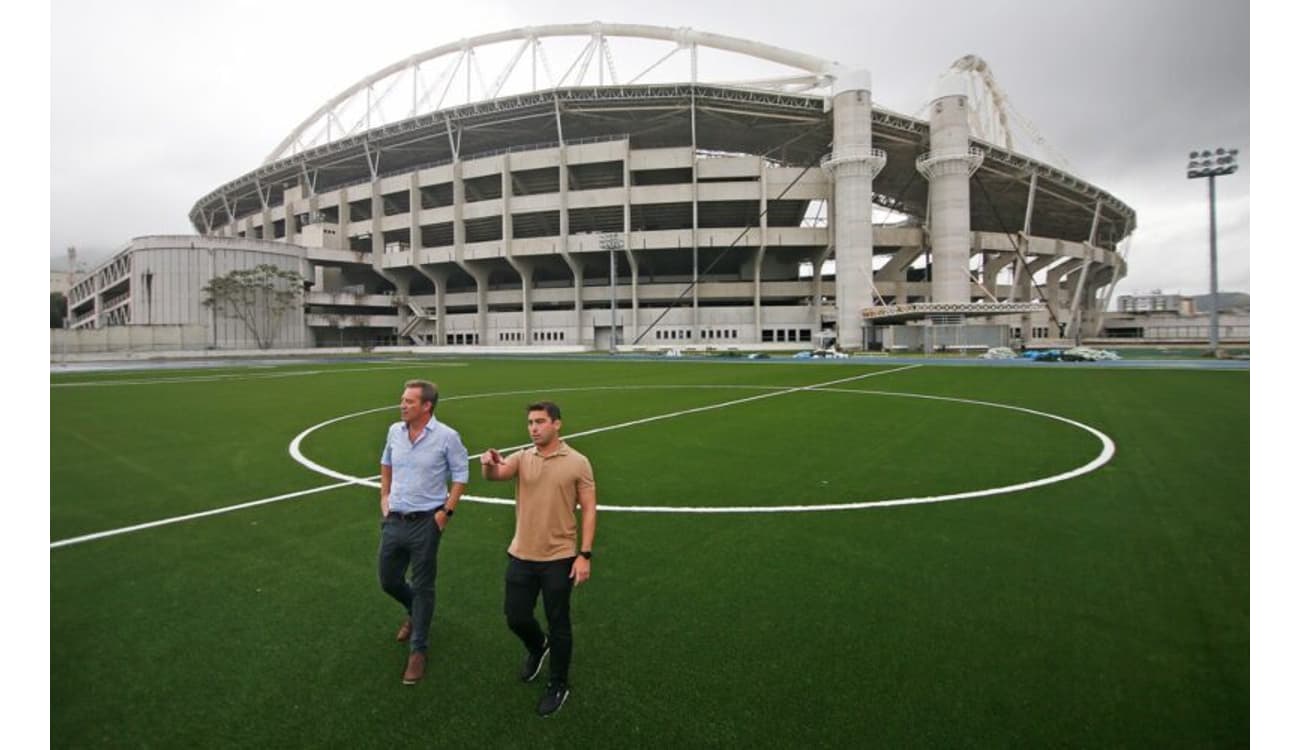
376, 224
345, 220
853, 165
313, 200
576, 269
268, 226
762, 250
1078, 277
574, 265
520, 266
290, 221
627, 239
948, 166
564, 198
1056, 291
695, 229
993, 267
417, 238
479, 275
818, 262
439, 278
524, 268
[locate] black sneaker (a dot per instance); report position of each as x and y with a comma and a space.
533, 663
554, 697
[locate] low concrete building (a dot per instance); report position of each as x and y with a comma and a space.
158, 281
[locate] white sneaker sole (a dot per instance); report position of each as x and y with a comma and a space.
563, 700
545, 653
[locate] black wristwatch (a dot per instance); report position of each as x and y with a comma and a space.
586, 553
446, 510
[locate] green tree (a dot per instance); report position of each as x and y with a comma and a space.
259, 297
58, 309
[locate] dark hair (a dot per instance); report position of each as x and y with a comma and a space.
428, 392
551, 409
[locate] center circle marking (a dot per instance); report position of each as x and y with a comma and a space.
1107, 452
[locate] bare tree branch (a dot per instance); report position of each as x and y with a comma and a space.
258, 297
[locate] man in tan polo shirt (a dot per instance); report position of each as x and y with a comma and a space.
545, 556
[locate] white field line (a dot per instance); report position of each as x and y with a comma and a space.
240, 376
347, 480
192, 516
295, 447
1102, 458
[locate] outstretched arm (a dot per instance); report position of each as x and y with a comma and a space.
497, 468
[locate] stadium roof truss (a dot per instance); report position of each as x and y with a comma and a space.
505, 91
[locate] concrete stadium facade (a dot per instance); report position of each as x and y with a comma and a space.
681, 213
157, 281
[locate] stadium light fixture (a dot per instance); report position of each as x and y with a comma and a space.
1211, 164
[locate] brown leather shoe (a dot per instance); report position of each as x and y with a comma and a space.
414, 668
404, 632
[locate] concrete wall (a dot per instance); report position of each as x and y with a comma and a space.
155, 338
171, 292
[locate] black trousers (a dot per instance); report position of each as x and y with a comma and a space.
524, 579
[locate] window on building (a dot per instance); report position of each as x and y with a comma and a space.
767, 335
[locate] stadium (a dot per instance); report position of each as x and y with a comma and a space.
474, 194
865, 551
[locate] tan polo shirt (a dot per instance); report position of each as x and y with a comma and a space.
546, 493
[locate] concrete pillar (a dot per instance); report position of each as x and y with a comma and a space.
572, 262
520, 266
1056, 291
635, 324
268, 226
948, 166
376, 224
695, 227
853, 164
1079, 277
458, 247
438, 275
290, 220
417, 238
345, 220
818, 262
762, 250
576, 268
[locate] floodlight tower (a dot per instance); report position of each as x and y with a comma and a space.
1212, 164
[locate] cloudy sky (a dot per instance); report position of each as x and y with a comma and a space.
153, 103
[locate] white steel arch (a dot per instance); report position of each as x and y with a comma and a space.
993, 118
356, 107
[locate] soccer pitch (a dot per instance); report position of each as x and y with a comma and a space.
1028, 556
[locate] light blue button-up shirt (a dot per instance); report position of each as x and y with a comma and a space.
422, 469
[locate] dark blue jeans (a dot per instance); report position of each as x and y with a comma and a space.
524, 579
411, 543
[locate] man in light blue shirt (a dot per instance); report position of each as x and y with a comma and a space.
421, 456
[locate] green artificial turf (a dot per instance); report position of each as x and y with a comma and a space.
1110, 610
